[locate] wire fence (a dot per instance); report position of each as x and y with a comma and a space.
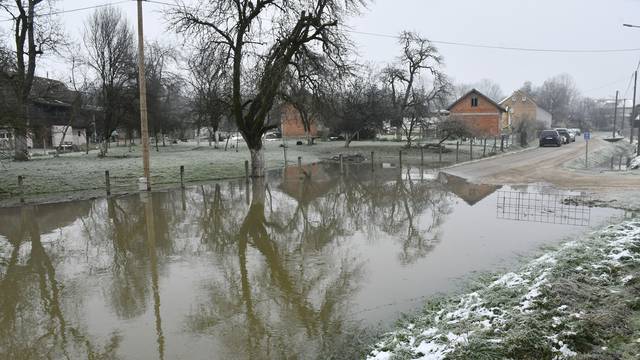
555, 208
119, 181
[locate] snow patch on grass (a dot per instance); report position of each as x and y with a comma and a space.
547, 309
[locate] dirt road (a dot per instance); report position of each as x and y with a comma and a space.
559, 167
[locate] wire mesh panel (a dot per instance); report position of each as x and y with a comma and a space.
555, 208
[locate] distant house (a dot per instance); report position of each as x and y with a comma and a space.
50, 113
291, 123
483, 116
522, 107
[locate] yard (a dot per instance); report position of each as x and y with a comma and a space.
79, 175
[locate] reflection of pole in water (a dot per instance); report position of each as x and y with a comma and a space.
151, 244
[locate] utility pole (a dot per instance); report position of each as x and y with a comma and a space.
144, 128
633, 110
615, 115
624, 112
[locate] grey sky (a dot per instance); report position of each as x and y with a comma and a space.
550, 24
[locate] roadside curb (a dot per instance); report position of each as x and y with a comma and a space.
487, 158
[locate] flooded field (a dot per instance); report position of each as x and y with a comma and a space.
289, 267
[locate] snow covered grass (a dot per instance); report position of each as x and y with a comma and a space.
80, 175
579, 301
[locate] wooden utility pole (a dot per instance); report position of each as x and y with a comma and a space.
633, 109
144, 128
615, 115
624, 112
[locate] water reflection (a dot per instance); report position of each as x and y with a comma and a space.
268, 270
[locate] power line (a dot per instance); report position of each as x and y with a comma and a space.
499, 47
59, 12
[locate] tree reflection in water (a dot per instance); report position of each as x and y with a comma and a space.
33, 324
283, 272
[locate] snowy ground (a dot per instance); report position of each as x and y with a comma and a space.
582, 299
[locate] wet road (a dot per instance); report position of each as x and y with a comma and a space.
546, 165
295, 266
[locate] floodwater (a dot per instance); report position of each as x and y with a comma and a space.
290, 267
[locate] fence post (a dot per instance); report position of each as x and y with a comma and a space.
440, 155
421, 156
107, 182
620, 163
182, 176
470, 149
372, 167
484, 149
457, 151
501, 143
246, 170
300, 161
612, 163
21, 188
400, 157
341, 165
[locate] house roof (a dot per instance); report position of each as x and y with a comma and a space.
472, 91
520, 92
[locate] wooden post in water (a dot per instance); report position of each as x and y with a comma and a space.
300, 162
440, 155
612, 163
421, 156
470, 149
107, 182
341, 165
246, 171
182, 176
21, 188
372, 166
484, 149
400, 158
457, 151
620, 163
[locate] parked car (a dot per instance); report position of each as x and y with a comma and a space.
550, 137
572, 135
577, 131
564, 133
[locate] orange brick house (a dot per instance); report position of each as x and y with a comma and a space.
483, 116
291, 123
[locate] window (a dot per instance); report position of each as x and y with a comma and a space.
474, 101
524, 98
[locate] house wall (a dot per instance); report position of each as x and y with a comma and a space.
522, 107
75, 136
483, 120
292, 123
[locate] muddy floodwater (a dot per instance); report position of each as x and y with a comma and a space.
291, 267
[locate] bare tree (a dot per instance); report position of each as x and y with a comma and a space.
108, 40
354, 105
266, 36
424, 104
209, 79
33, 36
556, 95
486, 86
418, 54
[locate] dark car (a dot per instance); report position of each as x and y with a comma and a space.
564, 134
550, 137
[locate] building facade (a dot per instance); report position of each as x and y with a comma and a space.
522, 107
482, 116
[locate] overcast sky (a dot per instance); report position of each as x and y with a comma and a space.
545, 24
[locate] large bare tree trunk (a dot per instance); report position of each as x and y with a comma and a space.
21, 146
257, 162
216, 137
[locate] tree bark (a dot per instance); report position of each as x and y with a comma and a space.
257, 162
21, 145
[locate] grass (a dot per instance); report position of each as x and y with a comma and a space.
80, 175
579, 301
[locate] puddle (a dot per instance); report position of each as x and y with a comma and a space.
280, 268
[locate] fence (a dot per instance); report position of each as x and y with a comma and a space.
543, 208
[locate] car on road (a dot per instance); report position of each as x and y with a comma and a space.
550, 137
572, 135
564, 133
